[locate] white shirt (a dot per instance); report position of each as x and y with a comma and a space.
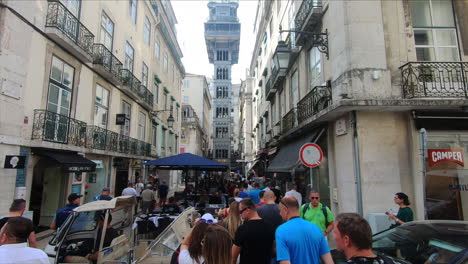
22, 254
184, 258
129, 191
296, 195
140, 187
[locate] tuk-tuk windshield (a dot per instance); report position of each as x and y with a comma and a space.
85, 221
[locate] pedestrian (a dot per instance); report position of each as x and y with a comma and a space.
293, 192
139, 187
147, 199
243, 191
255, 193
298, 240
62, 214
353, 236
216, 245
191, 248
254, 238
129, 191
14, 247
163, 190
17, 208
270, 210
317, 213
405, 214
236, 193
233, 219
104, 195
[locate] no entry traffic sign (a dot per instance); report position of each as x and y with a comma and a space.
311, 155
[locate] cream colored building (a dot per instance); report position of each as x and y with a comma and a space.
380, 86
82, 86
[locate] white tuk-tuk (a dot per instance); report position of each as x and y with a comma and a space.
81, 236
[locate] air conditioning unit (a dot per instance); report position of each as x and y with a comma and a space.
379, 221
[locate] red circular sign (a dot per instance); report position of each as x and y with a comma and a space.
311, 155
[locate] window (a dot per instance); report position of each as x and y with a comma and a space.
60, 87
165, 100
315, 68
163, 141
186, 99
186, 83
107, 31
165, 63
294, 91
147, 31
273, 113
129, 55
173, 73
127, 110
156, 93
434, 30
73, 6
144, 75
222, 55
141, 126
282, 105
154, 132
101, 107
133, 10
156, 47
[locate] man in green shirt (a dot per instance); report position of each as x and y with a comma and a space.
317, 213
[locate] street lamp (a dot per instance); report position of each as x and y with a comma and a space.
282, 55
170, 120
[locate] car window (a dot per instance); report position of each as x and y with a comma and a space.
85, 221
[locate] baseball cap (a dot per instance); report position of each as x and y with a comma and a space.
106, 189
72, 197
208, 218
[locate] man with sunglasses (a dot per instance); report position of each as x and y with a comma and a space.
297, 240
317, 213
254, 238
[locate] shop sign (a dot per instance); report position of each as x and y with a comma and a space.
440, 155
120, 119
14, 162
79, 169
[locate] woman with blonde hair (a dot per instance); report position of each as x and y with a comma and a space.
236, 195
233, 220
217, 245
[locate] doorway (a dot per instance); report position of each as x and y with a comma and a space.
121, 181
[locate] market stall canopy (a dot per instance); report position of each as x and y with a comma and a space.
186, 161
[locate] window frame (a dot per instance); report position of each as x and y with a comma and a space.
147, 31
129, 60
103, 30
133, 8
97, 105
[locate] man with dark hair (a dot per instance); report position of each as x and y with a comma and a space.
254, 238
353, 236
298, 240
17, 208
13, 240
62, 214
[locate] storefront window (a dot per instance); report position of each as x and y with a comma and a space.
446, 180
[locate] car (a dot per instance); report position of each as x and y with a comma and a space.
422, 242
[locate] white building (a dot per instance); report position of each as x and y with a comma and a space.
82, 86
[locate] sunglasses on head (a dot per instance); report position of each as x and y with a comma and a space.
209, 221
314, 198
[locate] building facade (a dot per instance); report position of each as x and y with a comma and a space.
380, 86
193, 138
245, 128
222, 35
82, 87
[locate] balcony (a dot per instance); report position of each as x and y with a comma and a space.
268, 90
67, 30
53, 127
276, 131
106, 63
226, 31
316, 100
131, 86
308, 16
145, 97
289, 121
435, 80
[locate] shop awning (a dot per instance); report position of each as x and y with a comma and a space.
70, 161
288, 155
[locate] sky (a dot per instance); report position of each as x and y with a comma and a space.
191, 16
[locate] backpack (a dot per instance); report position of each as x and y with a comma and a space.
324, 211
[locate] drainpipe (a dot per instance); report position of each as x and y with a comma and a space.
357, 165
422, 151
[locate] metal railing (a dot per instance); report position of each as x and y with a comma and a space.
304, 11
435, 80
104, 57
97, 137
289, 120
268, 87
317, 99
145, 95
53, 127
130, 81
60, 17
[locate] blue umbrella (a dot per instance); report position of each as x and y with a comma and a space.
186, 161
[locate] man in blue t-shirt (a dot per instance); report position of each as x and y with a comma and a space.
255, 193
297, 240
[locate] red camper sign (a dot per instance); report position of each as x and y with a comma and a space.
441, 155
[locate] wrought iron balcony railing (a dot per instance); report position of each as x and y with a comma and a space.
308, 14
53, 127
97, 137
316, 100
268, 88
435, 80
58, 16
145, 96
289, 120
130, 83
104, 57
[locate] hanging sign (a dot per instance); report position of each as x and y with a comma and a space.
311, 155
440, 155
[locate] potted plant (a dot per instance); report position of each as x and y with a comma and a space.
98, 58
125, 80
